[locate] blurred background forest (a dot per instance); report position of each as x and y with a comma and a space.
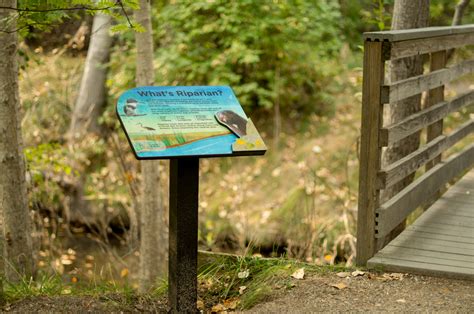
295, 66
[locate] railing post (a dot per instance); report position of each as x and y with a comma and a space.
435, 96
372, 113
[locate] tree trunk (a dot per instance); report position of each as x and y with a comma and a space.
153, 226
457, 19
406, 14
17, 243
459, 12
92, 94
89, 104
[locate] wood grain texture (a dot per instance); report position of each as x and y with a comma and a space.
395, 172
391, 213
415, 85
372, 110
436, 95
440, 242
416, 47
413, 123
418, 33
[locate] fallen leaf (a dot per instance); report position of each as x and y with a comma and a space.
243, 274
358, 273
124, 273
343, 274
316, 149
339, 286
231, 304
242, 289
397, 276
392, 276
218, 308
298, 274
200, 305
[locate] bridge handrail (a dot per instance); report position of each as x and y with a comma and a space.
376, 219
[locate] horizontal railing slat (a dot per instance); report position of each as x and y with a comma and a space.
395, 132
392, 213
417, 84
400, 169
418, 33
407, 48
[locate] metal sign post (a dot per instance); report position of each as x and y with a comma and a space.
183, 234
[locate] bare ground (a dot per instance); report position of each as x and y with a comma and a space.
373, 293
368, 293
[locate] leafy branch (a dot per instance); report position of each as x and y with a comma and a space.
22, 11
76, 8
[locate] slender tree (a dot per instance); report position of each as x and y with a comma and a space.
406, 14
92, 93
459, 11
17, 243
90, 101
153, 227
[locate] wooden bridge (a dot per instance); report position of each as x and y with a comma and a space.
441, 240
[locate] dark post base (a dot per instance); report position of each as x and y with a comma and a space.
183, 231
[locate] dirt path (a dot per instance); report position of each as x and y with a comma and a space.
373, 293
319, 293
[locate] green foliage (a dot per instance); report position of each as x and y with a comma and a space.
44, 284
380, 15
442, 12
267, 51
42, 15
251, 279
48, 168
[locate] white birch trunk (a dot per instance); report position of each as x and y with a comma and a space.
17, 243
92, 94
90, 103
153, 218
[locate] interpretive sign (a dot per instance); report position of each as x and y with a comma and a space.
164, 122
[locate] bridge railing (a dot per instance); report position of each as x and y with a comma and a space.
377, 219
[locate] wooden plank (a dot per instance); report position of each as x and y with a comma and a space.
446, 218
418, 33
442, 230
422, 241
460, 202
427, 259
417, 84
430, 269
445, 214
454, 226
372, 110
413, 123
435, 95
426, 244
390, 214
394, 250
397, 171
435, 235
421, 46
442, 214
453, 208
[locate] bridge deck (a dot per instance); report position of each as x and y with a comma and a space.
440, 242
